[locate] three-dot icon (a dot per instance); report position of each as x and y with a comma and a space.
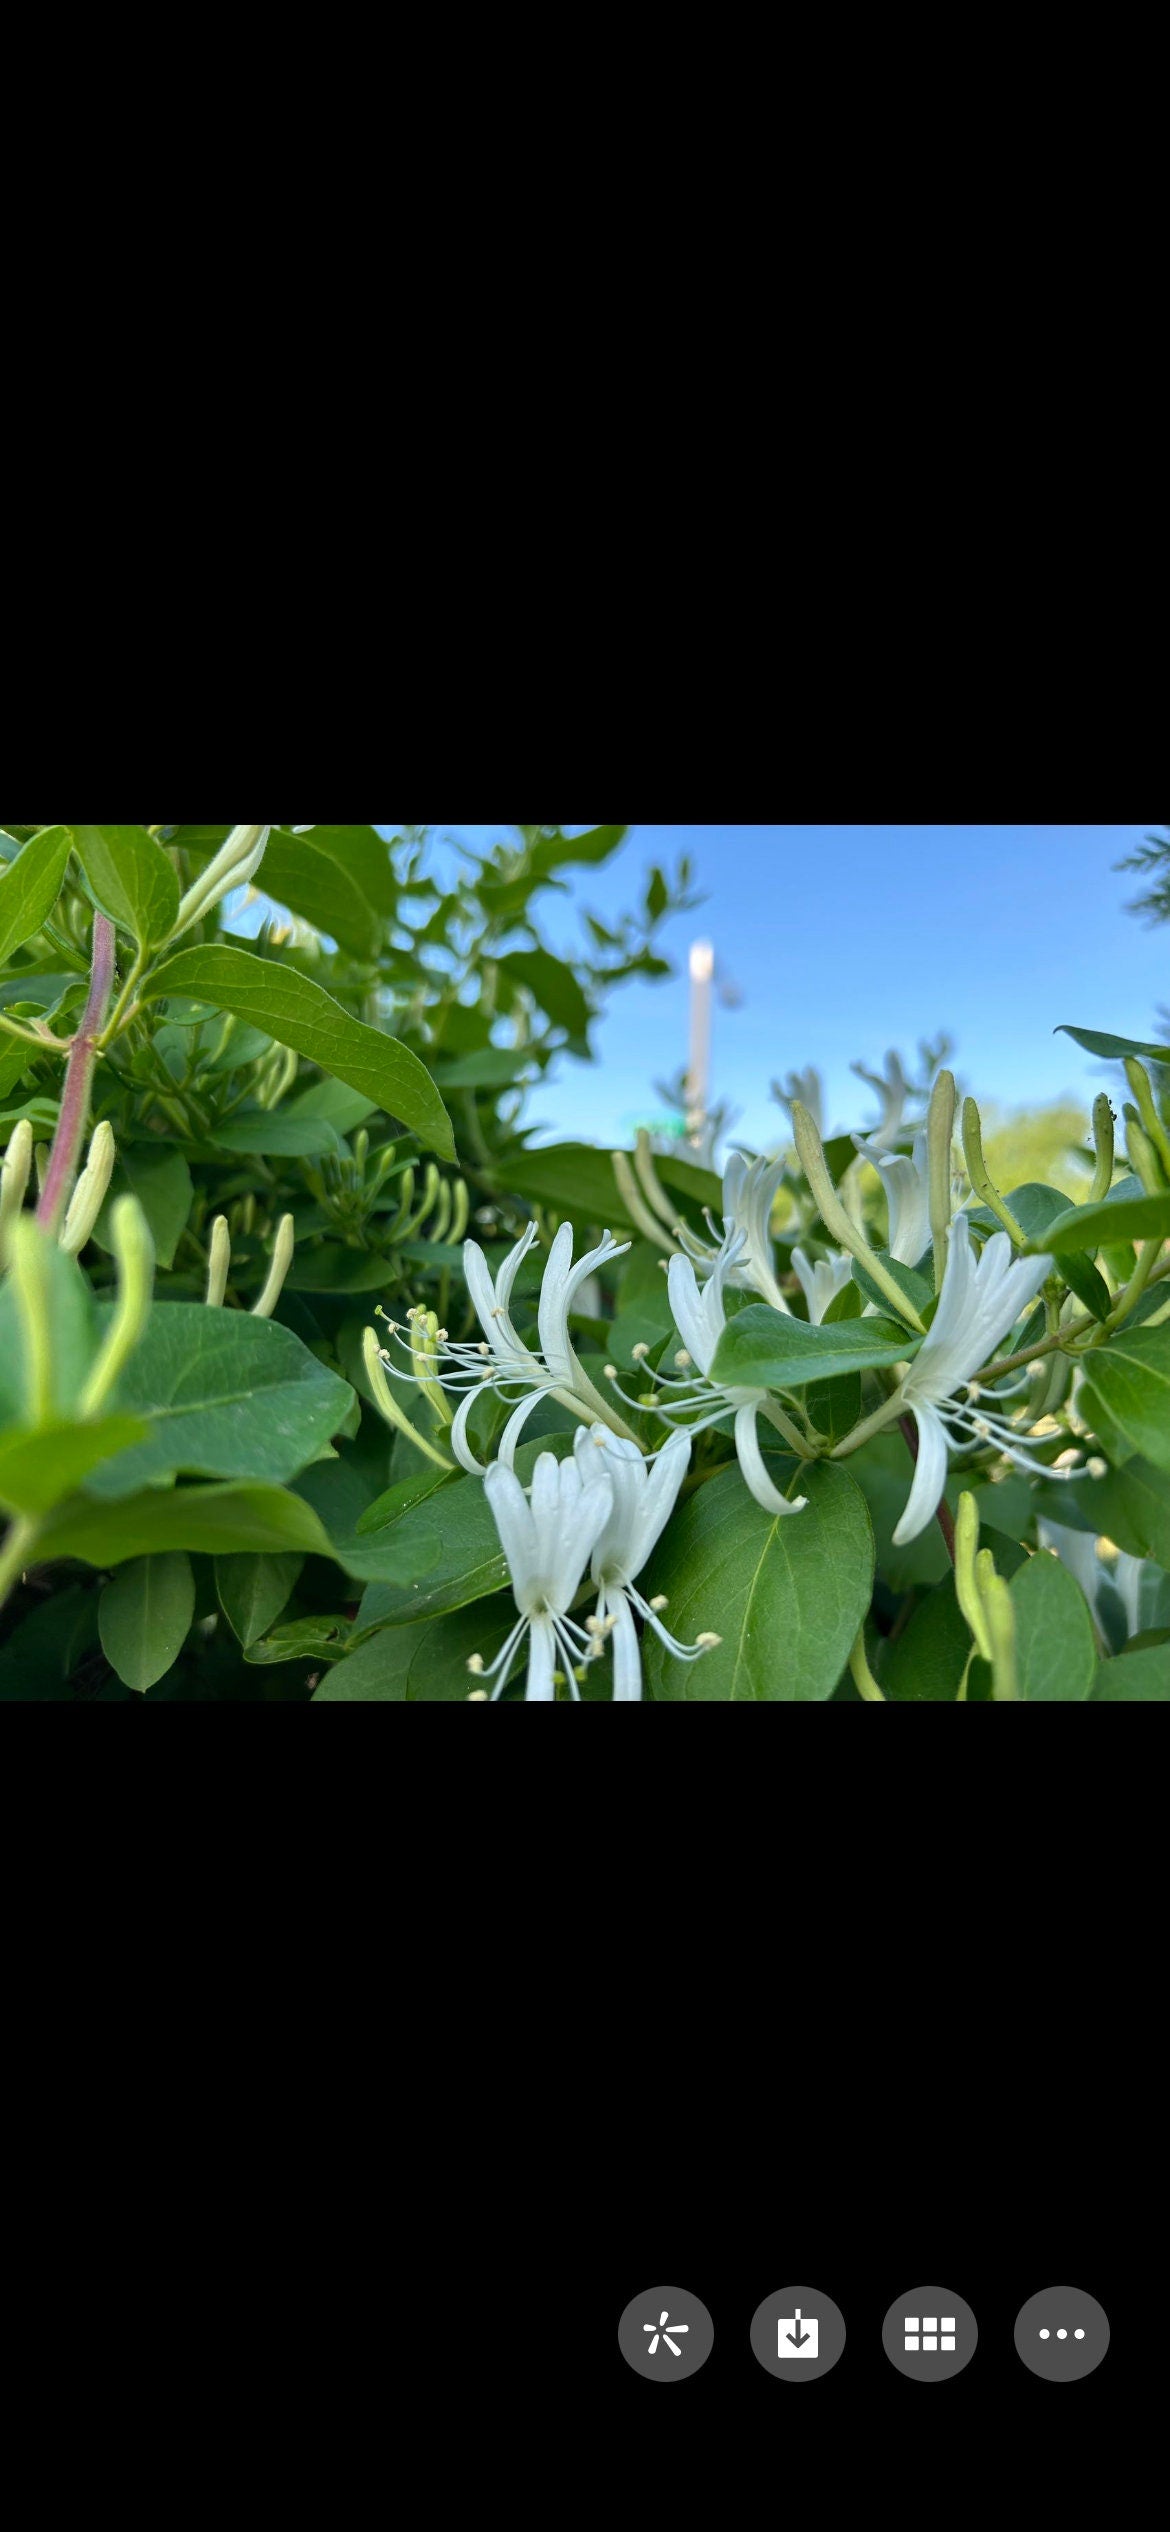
1062, 2334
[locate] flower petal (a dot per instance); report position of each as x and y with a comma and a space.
517, 1529
930, 1476
627, 1653
751, 1460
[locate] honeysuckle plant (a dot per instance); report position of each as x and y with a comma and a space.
323, 1377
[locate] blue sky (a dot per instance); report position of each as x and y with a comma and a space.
845, 940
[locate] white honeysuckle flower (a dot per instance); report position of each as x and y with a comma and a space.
893, 1090
808, 1088
1133, 1578
689, 1399
548, 1538
821, 1280
749, 1192
643, 1494
501, 1361
980, 1300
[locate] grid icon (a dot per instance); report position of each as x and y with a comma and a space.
934, 2336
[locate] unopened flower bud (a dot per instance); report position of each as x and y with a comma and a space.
219, 1258
133, 1247
283, 1250
14, 1178
1097, 1467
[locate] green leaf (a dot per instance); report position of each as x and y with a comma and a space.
763, 1349
553, 985
145, 1618
559, 852
363, 857
786, 1594
1056, 1647
578, 1181
282, 1136
1130, 1505
306, 1640
330, 1267
161, 1180
302, 1015
1130, 1375
1135, 1678
132, 879
332, 1103
401, 1499
485, 1068
1086, 1225
317, 885
456, 1536
1096, 1042
915, 1285
222, 1395
30, 887
37, 1470
253, 1590
884, 1471
925, 1665
421, 1664
1036, 1208
207, 1520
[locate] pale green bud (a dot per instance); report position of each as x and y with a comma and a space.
382, 1393
219, 1259
14, 1179
1103, 1142
133, 1249
1139, 1082
940, 1133
967, 1591
977, 1172
1143, 1158
232, 867
283, 1250
91, 1191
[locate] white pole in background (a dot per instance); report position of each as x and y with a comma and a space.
699, 1069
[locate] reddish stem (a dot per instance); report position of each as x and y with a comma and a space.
910, 1432
79, 1071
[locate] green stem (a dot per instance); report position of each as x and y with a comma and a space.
875, 1423
863, 1678
775, 1415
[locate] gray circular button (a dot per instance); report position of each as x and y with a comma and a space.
1061, 2334
930, 2333
797, 2334
666, 2334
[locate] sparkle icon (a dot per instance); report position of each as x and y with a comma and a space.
661, 2330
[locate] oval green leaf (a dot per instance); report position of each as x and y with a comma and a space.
786, 1594
132, 880
30, 887
1056, 1646
1130, 1378
145, 1618
763, 1349
221, 1395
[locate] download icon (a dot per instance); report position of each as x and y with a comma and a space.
797, 2338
